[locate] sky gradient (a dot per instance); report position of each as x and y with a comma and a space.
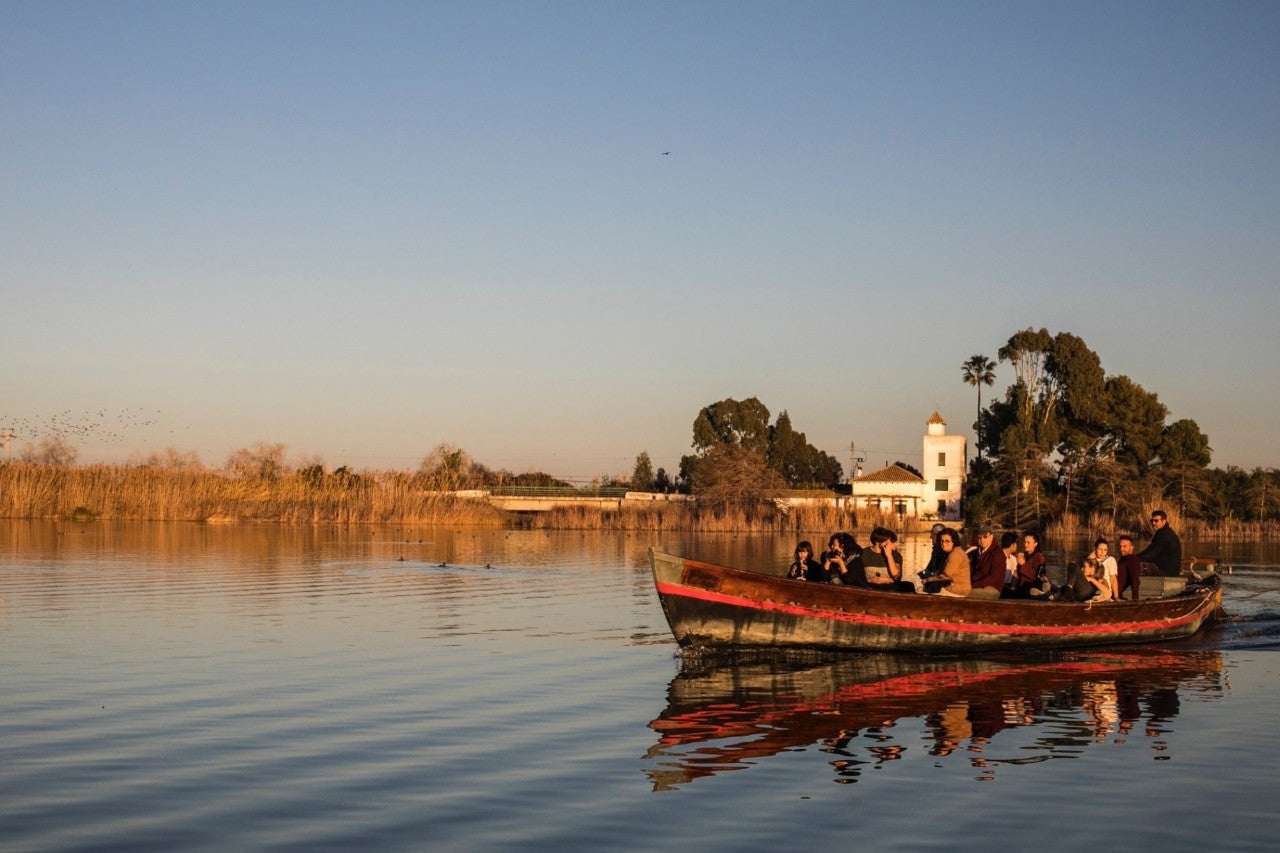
365, 229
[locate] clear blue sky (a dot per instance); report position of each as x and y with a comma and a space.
363, 229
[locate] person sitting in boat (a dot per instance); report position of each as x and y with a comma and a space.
954, 580
987, 579
1009, 545
1165, 548
937, 557
1096, 572
805, 568
841, 549
1079, 586
1101, 551
1031, 579
1128, 568
879, 566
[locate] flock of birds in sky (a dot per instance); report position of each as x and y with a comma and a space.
102, 426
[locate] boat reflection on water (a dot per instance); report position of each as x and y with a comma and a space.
724, 715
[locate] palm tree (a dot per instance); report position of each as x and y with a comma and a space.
978, 371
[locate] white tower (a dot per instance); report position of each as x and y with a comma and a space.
943, 469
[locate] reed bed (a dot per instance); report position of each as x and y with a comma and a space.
143, 493
156, 494
723, 518
1101, 524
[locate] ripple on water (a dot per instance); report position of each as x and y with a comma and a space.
273, 688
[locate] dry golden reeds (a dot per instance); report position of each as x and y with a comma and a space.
155, 494
152, 493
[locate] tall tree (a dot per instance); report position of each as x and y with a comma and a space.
978, 371
1182, 443
733, 474
642, 476
745, 425
1134, 422
740, 423
799, 462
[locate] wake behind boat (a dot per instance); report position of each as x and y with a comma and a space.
717, 607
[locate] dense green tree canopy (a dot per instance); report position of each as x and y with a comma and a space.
1182, 443
745, 425
740, 423
1065, 437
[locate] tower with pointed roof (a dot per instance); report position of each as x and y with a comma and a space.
943, 469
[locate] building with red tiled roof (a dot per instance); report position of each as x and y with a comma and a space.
935, 495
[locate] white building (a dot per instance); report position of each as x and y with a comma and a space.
936, 494
944, 457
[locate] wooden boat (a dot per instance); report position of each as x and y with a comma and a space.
715, 607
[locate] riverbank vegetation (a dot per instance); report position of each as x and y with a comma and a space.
308, 495
278, 493
1067, 449
1073, 450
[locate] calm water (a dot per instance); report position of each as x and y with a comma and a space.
187, 686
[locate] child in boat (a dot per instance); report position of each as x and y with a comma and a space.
805, 568
1080, 585
1097, 575
1077, 587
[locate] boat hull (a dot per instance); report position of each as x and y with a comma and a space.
717, 607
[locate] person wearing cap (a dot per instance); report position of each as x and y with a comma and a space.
988, 573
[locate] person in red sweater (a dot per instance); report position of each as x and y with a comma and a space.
1128, 568
988, 572
1031, 573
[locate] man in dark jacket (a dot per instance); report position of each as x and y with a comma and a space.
1165, 550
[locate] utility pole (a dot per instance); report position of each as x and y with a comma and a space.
7, 436
855, 462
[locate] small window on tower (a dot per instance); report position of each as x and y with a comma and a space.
940, 485
942, 460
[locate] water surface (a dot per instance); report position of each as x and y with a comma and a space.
196, 686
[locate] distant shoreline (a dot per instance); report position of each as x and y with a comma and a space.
140, 493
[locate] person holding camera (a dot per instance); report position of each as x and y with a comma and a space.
841, 549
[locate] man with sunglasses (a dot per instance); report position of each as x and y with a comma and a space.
1165, 550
